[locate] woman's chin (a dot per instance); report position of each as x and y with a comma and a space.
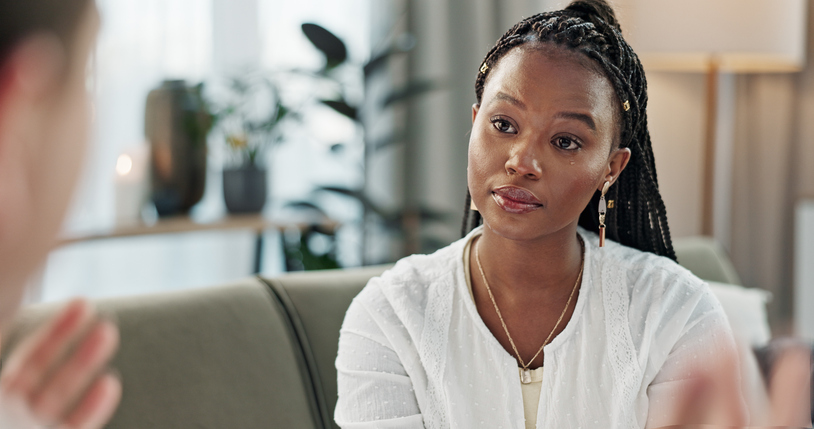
521, 227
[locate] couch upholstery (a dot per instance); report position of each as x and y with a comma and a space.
316, 321
706, 258
258, 353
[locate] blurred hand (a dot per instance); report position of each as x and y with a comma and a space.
58, 375
711, 398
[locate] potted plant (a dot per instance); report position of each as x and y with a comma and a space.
394, 220
251, 120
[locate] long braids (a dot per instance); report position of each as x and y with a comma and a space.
639, 218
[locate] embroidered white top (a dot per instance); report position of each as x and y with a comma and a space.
530, 389
414, 352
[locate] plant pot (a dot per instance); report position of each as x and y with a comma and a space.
176, 123
244, 189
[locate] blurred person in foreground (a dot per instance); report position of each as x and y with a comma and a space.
712, 395
57, 376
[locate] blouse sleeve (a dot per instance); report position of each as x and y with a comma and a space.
704, 342
374, 389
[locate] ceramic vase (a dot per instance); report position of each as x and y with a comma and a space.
176, 124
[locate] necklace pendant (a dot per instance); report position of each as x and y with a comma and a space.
525, 375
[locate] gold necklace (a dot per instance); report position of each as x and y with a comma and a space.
525, 373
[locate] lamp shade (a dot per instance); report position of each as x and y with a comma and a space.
744, 36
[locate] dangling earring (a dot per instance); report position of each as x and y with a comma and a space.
602, 211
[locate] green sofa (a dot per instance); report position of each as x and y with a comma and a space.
258, 353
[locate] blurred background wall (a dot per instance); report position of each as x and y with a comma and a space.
409, 157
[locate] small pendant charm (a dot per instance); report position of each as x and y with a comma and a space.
601, 235
525, 375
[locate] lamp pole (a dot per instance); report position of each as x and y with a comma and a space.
708, 201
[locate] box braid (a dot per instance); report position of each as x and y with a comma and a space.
638, 218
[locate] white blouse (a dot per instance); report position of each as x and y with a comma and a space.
529, 390
414, 352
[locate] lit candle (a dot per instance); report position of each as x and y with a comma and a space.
131, 184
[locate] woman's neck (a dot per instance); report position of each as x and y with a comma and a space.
526, 268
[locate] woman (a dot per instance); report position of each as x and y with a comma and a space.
534, 319
58, 376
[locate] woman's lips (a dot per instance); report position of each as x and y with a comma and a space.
516, 200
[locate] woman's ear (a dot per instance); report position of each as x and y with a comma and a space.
475, 108
617, 162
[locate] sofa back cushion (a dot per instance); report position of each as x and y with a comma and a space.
705, 258
316, 302
223, 357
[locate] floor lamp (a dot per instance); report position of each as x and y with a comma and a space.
714, 36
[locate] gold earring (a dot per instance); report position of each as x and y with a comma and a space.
602, 211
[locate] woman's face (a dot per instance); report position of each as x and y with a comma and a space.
541, 142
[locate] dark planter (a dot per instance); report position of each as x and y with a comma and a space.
176, 122
244, 189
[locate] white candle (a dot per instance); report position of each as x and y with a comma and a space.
132, 168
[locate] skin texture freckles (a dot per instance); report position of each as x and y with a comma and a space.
546, 131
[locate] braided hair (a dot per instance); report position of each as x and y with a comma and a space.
589, 27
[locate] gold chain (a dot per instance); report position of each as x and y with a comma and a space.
500, 316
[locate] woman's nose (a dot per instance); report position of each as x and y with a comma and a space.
524, 160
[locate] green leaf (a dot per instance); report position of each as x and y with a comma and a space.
306, 205
389, 140
331, 46
377, 62
342, 107
282, 111
403, 44
239, 85
411, 90
359, 196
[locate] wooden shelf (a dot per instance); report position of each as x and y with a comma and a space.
184, 224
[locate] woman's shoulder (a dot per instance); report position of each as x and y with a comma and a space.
655, 298
650, 278
408, 282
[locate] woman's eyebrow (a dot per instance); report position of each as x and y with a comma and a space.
506, 97
587, 119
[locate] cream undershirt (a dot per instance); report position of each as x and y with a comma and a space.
531, 391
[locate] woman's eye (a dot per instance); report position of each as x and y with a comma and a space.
503, 125
565, 142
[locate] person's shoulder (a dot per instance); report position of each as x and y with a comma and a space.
410, 279
651, 277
